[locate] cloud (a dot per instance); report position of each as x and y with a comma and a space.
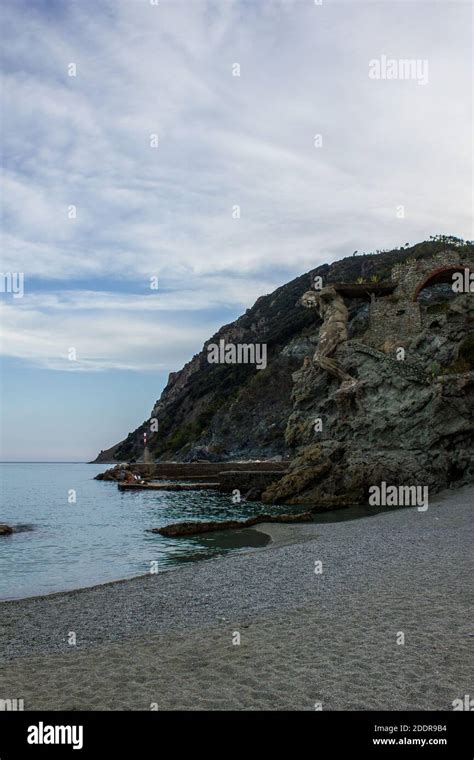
150, 331
112, 337
224, 141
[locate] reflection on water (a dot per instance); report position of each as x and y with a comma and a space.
212, 544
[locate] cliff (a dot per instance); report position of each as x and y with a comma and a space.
390, 423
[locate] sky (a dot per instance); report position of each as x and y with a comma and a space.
166, 163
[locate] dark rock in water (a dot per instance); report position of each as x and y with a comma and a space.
121, 473
7, 530
22, 528
195, 528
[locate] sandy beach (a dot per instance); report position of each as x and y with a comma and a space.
166, 641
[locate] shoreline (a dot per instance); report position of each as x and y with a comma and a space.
275, 539
171, 568
168, 638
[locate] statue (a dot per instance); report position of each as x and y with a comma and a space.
334, 313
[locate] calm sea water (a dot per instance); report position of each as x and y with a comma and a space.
103, 536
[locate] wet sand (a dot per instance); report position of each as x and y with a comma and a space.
168, 640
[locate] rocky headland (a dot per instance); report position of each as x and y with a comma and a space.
373, 381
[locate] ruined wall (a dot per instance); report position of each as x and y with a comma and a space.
391, 319
410, 274
399, 316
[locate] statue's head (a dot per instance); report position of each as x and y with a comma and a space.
310, 299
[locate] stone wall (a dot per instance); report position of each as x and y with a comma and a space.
399, 316
392, 320
410, 274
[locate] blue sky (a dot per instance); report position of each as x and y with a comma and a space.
166, 211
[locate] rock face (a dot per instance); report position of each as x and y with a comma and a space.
404, 421
220, 412
407, 421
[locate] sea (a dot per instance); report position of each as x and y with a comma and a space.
72, 531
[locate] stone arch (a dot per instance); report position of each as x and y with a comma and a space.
442, 274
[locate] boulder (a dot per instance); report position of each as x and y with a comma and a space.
5, 530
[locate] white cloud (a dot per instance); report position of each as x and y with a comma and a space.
224, 141
112, 338
153, 331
